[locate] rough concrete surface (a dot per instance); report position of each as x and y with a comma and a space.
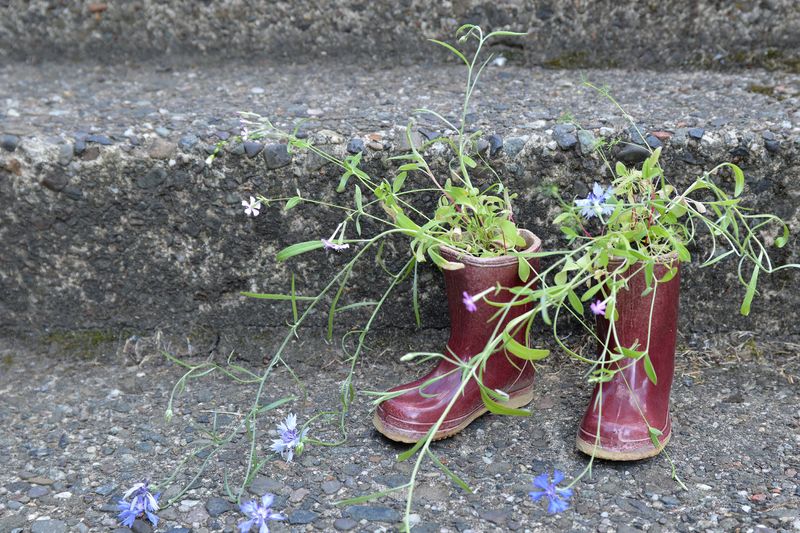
562, 34
114, 224
78, 431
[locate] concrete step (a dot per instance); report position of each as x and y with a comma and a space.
624, 33
112, 220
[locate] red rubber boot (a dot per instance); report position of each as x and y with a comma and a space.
409, 417
623, 407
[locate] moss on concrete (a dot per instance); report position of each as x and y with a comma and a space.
84, 342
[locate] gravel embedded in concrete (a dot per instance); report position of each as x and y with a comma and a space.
147, 218
735, 445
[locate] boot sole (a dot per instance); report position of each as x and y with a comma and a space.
518, 399
589, 448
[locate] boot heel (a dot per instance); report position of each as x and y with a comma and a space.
520, 398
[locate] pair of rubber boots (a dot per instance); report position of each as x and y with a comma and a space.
627, 417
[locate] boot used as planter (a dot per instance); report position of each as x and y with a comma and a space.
615, 426
409, 416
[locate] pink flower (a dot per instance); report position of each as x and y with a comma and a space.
598, 307
469, 303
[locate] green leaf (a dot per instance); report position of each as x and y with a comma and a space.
356, 305
406, 223
343, 181
781, 241
372, 496
359, 200
649, 370
414, 449
294, 301
569, 232
415, 297
464, 27
738, 177
452, 49
276, 403
298, 248
683, 252
717, 258
677, 211
654, 434
751, 288
293, 201
671, 272
361, 174
575, 302
449, 473
398, 182
509, 231
469, 161
649, 267
521, 351
630, 353
500, 409
523, 268
443, 263
506, 34
562, 217
591, 291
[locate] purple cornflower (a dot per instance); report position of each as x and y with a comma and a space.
330, 245
291, 440
598, 307
556, 497
595, 204
252, 207
259, 515
469, 303
143, 503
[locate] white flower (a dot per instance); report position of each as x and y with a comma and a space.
329, 243
252, 207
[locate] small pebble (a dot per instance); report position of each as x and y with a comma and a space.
495, 144
344, 524
99, 139
696, 133
9, 142
355, 145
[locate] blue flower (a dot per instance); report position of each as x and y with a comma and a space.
595, 204
142, 503
259, 515
557, 497
291, 440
